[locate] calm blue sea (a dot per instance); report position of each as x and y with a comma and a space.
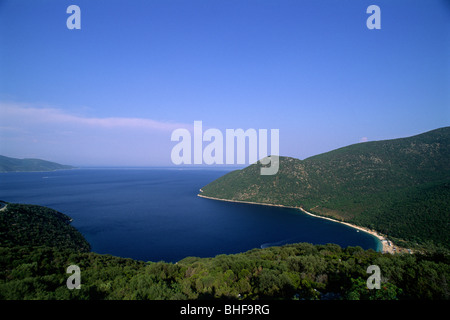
154, 214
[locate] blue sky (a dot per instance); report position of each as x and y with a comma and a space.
112, 92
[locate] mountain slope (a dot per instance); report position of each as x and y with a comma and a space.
384, 185
8, 164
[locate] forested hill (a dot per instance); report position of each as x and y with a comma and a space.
399, 187
8, 164
31, 225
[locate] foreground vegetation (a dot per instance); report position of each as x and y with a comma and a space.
35, 268
300, 271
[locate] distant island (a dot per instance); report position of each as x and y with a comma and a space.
398, 187
8, 164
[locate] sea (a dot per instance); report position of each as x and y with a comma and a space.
154, 214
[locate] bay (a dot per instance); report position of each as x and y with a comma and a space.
154, 214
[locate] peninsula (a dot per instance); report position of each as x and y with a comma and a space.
399, 188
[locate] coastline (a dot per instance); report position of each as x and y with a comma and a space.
386, 245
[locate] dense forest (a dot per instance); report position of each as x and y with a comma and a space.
398, 187
36, 225
34, 267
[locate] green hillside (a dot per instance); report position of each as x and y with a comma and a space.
31, 225
8, 164
399, 187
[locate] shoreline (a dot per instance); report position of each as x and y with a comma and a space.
387, 246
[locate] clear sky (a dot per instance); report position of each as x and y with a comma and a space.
111, 93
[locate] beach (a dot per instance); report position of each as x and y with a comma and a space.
387, 246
